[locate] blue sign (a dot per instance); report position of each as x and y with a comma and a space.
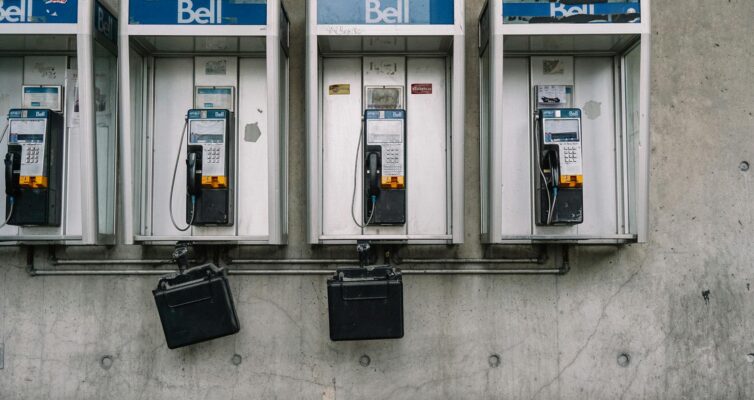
198, 12
24, 113
105, 23
561, 12
38, 11
204, 114
386, 114
561, 113
385, 12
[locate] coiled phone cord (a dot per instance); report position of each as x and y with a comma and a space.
172, 186
355, 182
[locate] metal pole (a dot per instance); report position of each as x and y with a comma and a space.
295, 261
470, 261
112, 262
288, 272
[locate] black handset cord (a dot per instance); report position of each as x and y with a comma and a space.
355, 181
555, 176
172, 186
552, 182
11, 199
5, 130
10, 211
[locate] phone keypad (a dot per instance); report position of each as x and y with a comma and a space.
32, 154
213, 155
392, 155
571, 154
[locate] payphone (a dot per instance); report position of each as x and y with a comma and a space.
560, 198
385, 167
33, 167
384, 155
208, 180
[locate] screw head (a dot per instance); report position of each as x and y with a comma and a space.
236, 359
364, 360
106, 362
744, 166
494, 360
624, 359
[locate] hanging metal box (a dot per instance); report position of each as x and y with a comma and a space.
196, 306
365, 303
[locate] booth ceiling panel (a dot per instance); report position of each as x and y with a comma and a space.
201, 44
38, 43
612, 44
385, 44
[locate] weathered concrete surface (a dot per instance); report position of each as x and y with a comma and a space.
557, 337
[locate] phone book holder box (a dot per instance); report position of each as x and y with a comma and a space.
196, 306
365, 303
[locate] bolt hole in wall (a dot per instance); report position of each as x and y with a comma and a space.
106, 362
494, 360
624, 359
365, 360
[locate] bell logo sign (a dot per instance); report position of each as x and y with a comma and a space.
201, 15
376, 14
19, 13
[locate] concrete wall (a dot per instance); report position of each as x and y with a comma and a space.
557, 337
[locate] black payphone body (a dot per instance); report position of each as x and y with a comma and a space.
208, 160
385, 167
560, 196
33, 167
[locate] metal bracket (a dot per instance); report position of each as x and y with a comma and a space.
363, 248
180, 255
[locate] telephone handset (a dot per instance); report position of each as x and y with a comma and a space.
560, 193
373, 172
12, 173
194, 173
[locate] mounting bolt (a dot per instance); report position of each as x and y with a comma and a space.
494, 360
106, 362
624, 359
236, 359
365, 360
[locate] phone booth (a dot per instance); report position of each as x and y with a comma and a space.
564, 121
205, 106
58, 116
385, 120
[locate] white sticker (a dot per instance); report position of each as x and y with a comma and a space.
42, 97
551, 95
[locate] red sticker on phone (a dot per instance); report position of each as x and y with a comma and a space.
421, 88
